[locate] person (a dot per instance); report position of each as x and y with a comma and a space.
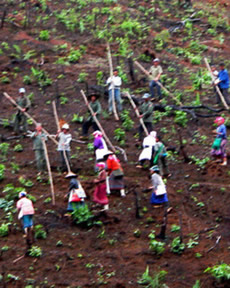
76, 195
64, 145
96, 107
159, 157
146, 113
99, 195
26, 211
38, 136
100, 146
148, 149
159, 194
114, 85
219, 144
223, 83
116, 174
155, 73
20, 117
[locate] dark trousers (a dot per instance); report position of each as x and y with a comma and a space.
86, 125
149, 127
63, 163
152, 85
225, 94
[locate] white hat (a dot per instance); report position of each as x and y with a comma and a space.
65, 126
146, 96
156, 60
153, 134
22, 90
21, 194
97, 133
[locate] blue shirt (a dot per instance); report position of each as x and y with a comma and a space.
221, 129
224, 78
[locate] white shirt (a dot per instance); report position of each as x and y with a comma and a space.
149, 141
64, 139
115, 82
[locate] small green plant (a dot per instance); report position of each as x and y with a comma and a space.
90, 147
82, 215
177, 246
137, 233
47, 200
4, 230
127, 122
82, 77
154, 281
191, 243
220, 272
11, 191
18, 148
101, 235
181, 118
156, 246
2, 171
197, 284
59, 243
175, 228
35, 251
39, 232
119, 135
76, 118
44, 35
15, 168
25, 182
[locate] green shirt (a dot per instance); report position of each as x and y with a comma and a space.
96, 107
155, 71
37, 141
146, 110
23, 102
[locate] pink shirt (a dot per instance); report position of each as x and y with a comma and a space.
26, 206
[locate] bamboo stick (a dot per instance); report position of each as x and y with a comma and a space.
111, 75
137, 113
97, 122
49, 171
159, 83
217, 87
28, 115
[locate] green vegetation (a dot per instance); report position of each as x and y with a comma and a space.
154, 281
39, 232
83, 216
156, 246
177, 246
35, 251
220, 272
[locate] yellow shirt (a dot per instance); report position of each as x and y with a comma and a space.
155, 71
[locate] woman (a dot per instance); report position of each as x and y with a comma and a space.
76, 195
219, 144
148, 149
159, 194
100, 146
115, 172
99, 195
26, 211
159, 157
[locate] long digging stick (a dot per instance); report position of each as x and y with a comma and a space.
28, 115
49, 171
137, 113
111, 75
159, 83
217, 88
97, 122
59, 128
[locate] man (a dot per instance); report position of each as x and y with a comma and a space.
223, 83
20, 117
96, 107
146, 113
115, 84
154, 77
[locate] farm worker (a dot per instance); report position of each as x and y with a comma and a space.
26, 211
64, 145
219, 144
100, 146
115, 172
159, 157
148, 149
99, 195
223, 83
114, 84
20, 117
76, 194
155, 72
96, 107
38, 136
146, 113
159, 194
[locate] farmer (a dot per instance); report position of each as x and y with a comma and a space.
64, 145
155, 73
38, 136
146, 113
99, 195
26, 211
159, 157
114, 85
116, 174
20, 117
76, 195
219, 144
148, 149
100, 146
223, 83
159, 194
96, 107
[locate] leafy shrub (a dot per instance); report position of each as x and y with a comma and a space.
35, 251
6, 205
26, 183
39, 232
152, 281
11, 191
44, 35
18, 148
2, 171
175, 228
119, 135
4, 147
220, 272
15, 168
181, 118
127, 122
76, 118
82, 77
156, 246
82, 215
4, 230
177, 246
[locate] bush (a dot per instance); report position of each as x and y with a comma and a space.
82, 215
4, 230
12, 192
156, 246
220, 272
39, 232
44, 35
177, 246
35, 251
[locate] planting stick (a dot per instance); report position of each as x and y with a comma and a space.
111, 75
159, 83
137, 113
217, 87
97, 122
28, 115
49, 171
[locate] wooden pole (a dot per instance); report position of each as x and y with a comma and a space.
137, 113
49, 171
217, 88
28, 115
111, 75
97, 122
159, 83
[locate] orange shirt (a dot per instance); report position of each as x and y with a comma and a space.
113, 163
